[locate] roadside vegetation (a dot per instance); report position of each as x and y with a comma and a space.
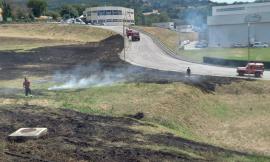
21, 37
256, 54
168, 37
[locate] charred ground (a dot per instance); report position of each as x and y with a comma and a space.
75, 136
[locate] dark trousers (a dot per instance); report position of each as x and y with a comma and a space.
27, 91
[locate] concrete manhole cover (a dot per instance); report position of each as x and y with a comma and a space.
28, 130
29, 133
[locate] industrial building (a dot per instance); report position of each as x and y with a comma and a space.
110, 15
239, 24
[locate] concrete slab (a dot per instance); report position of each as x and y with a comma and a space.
28, 133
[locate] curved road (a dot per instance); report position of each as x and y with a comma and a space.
147, 54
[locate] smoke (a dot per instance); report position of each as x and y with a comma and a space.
96, 75
89, 76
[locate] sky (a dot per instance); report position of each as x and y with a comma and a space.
231, 1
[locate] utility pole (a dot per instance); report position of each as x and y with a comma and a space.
248, 42
124, 34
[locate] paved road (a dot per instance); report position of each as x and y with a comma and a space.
147, 54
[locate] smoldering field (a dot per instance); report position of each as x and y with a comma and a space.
88, 76
96, 75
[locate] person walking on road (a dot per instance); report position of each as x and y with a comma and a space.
188, 71
26, 86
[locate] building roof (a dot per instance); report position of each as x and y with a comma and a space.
108, 8
243, 5
239, 19
241, 8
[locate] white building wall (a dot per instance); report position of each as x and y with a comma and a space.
241, 9
113, 15
231, 27
227, 35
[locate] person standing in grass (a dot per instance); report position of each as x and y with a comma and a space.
188, 72
26, 86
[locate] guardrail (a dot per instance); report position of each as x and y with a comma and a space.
166, 49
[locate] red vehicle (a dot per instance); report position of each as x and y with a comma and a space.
129, 32
135, 36
251, 68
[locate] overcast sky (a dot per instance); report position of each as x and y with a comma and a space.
231, 1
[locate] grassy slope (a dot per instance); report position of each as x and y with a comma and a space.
169, 38
30, 36
226, 118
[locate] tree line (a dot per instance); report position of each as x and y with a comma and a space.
193, 12
14, 11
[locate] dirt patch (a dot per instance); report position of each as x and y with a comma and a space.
75, 136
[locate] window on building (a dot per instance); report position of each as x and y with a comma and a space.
230, 9
108, 12
101, 21
116, 12
101, 12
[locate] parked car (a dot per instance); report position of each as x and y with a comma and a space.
78, 21
185, 42
251, 68
260, 45
201, 44
238, 45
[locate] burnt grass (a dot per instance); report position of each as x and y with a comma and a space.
47, 60
75, 136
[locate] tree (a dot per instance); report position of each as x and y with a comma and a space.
38, 7
53, 14
80, 8
68, 11
6, 10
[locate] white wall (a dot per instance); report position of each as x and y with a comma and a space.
227, 35
127, 15
241, 9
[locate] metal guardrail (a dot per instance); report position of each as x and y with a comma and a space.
166, 49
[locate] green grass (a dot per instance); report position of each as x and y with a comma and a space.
256, 54
219, 119
23, 37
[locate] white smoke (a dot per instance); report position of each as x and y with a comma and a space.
89, 76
